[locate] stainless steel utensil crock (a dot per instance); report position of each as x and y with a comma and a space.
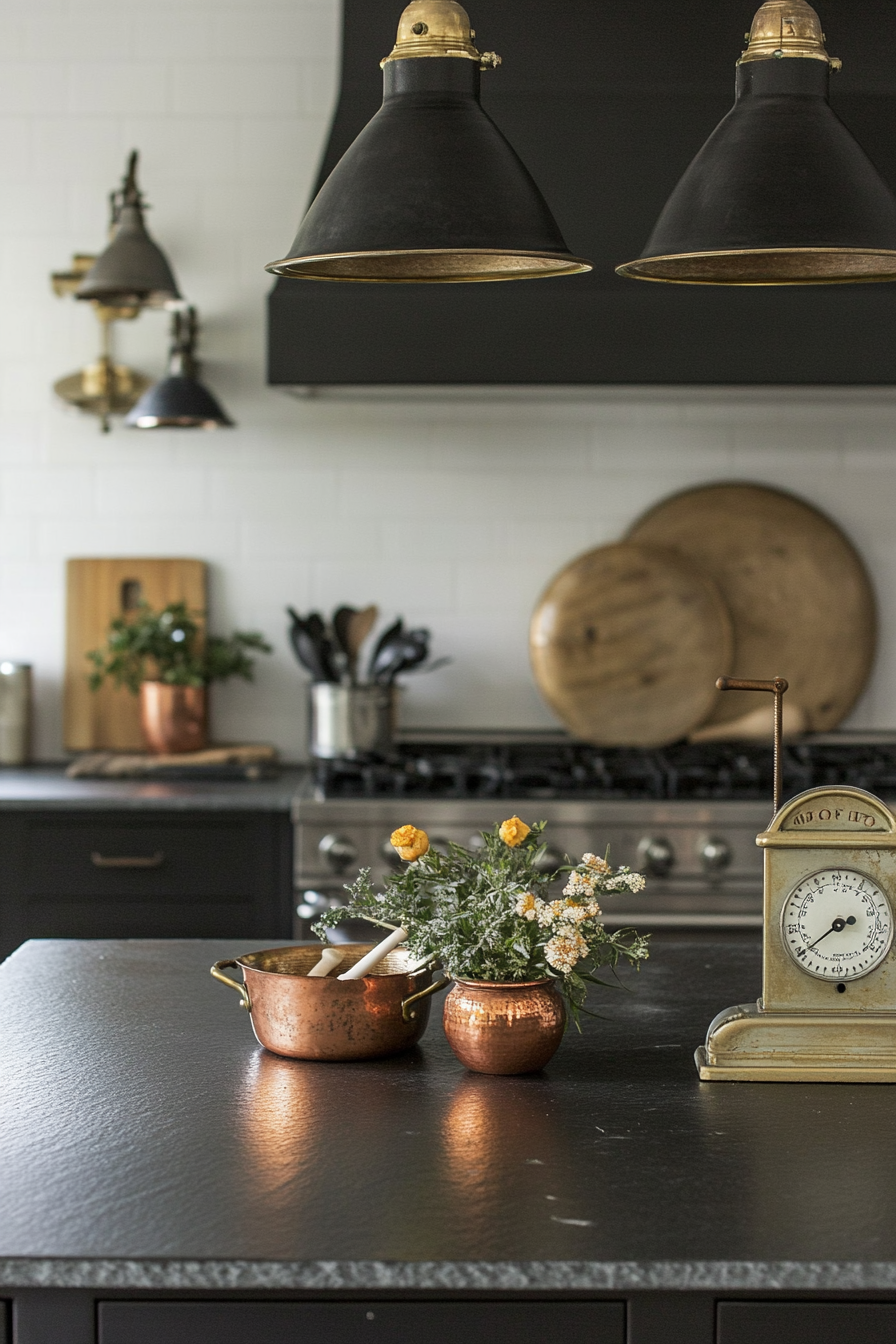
326, 1018
352, 721
15, 713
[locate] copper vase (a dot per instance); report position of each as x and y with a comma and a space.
504, 1028
173, 718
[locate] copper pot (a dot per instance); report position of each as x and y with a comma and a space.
326, 1018
504, 1028
173, 718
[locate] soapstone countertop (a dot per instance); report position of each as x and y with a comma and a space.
47, 788
148, 1142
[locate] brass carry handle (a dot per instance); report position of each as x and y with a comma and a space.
421, 994
234, 984
777, 687
137, 861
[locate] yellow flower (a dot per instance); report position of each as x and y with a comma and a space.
409, 842
526, 906
513, 832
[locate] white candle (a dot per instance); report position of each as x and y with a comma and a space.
330, 957
376, 955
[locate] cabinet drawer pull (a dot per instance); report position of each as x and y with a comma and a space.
139, 861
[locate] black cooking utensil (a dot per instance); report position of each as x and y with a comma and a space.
388, 636
307, 649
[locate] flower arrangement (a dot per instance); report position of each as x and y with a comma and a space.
487, 913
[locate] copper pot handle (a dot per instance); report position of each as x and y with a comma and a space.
234, 984
406, 1003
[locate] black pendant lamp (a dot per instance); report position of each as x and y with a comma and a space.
430, 190
179, 400
133, 269
781, 193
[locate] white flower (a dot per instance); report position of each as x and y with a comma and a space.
636, 881
580, 884
565, 949
544, 913
526, 905
593, 861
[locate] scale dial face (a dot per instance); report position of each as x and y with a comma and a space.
837, 924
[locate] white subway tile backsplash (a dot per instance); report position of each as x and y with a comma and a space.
236, 87
454, 510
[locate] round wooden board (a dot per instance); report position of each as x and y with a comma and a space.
626, 644
799, 595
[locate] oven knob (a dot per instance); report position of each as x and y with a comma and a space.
715, 854
549, 861
656, 855
338, 851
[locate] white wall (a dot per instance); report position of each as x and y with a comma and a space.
453, 512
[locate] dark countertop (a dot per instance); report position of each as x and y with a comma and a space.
38, 788
149, 1142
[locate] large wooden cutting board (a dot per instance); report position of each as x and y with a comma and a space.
799, 595
625, 645
98, 590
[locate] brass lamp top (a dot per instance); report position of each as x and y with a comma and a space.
437, 28
786, 28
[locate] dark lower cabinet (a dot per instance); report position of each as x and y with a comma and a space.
361, 1322
54, 1316
147, 874
806, 1323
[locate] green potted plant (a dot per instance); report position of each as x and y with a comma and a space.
167, 659
520, 957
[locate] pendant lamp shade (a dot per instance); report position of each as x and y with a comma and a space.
133, 270
430, 191
781, 193
179, 400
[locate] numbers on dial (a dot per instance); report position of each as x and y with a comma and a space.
837, 924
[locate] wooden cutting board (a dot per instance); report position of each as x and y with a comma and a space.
625, 645
799, 595
97, 591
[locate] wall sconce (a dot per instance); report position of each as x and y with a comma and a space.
132, 274
179, 400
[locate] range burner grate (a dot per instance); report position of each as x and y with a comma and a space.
723, 770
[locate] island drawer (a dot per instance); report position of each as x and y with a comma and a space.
136, 856
361, 1322
806, 1322
145, 875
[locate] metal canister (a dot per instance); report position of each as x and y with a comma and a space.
15, 713
348, 722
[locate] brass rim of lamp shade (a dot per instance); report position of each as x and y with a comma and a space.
768, 266
175, 422
430, 266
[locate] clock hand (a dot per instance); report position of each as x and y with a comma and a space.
836, 927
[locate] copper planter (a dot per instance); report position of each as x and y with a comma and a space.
504, 1028
327, 1018
173, 719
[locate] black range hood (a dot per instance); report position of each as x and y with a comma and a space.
606, 105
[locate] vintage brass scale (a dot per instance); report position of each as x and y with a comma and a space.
828, 1006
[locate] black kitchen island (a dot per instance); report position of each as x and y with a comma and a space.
164, 1179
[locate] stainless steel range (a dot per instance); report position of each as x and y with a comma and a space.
686, 816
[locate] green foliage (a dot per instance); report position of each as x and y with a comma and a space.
486, 914
169, 645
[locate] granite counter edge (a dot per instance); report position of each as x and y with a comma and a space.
504, 1276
